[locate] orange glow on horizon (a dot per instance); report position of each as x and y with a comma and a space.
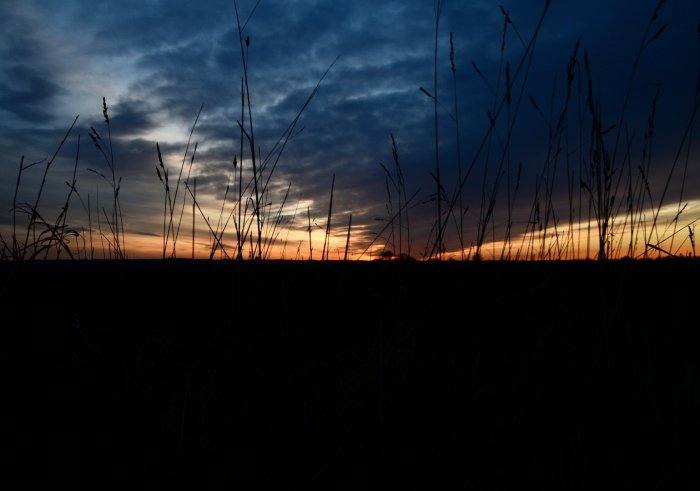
561, 242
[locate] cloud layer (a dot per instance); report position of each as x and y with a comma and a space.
157, 62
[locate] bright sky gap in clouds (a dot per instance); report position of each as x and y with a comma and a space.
157, 62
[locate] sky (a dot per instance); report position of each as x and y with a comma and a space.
526, 169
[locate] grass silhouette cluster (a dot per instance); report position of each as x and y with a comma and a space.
610, 209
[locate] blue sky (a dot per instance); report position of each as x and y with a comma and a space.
157, 62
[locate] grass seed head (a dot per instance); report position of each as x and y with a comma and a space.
659, 32
160, 157
104, 110
476, 68
655, 15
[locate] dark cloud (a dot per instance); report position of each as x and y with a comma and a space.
27, 88
27, 94
132, 118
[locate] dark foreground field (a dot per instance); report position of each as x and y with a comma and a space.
436, 375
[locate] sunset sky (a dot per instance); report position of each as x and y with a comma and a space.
156, 62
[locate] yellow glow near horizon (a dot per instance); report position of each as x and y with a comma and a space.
291, 242
563, 242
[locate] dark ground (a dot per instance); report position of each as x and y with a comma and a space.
576, 375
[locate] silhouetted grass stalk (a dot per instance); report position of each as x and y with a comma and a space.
251, 136
176, 230
324, 254
33, 210
460, 221
529, 47
438, 196
347, 241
